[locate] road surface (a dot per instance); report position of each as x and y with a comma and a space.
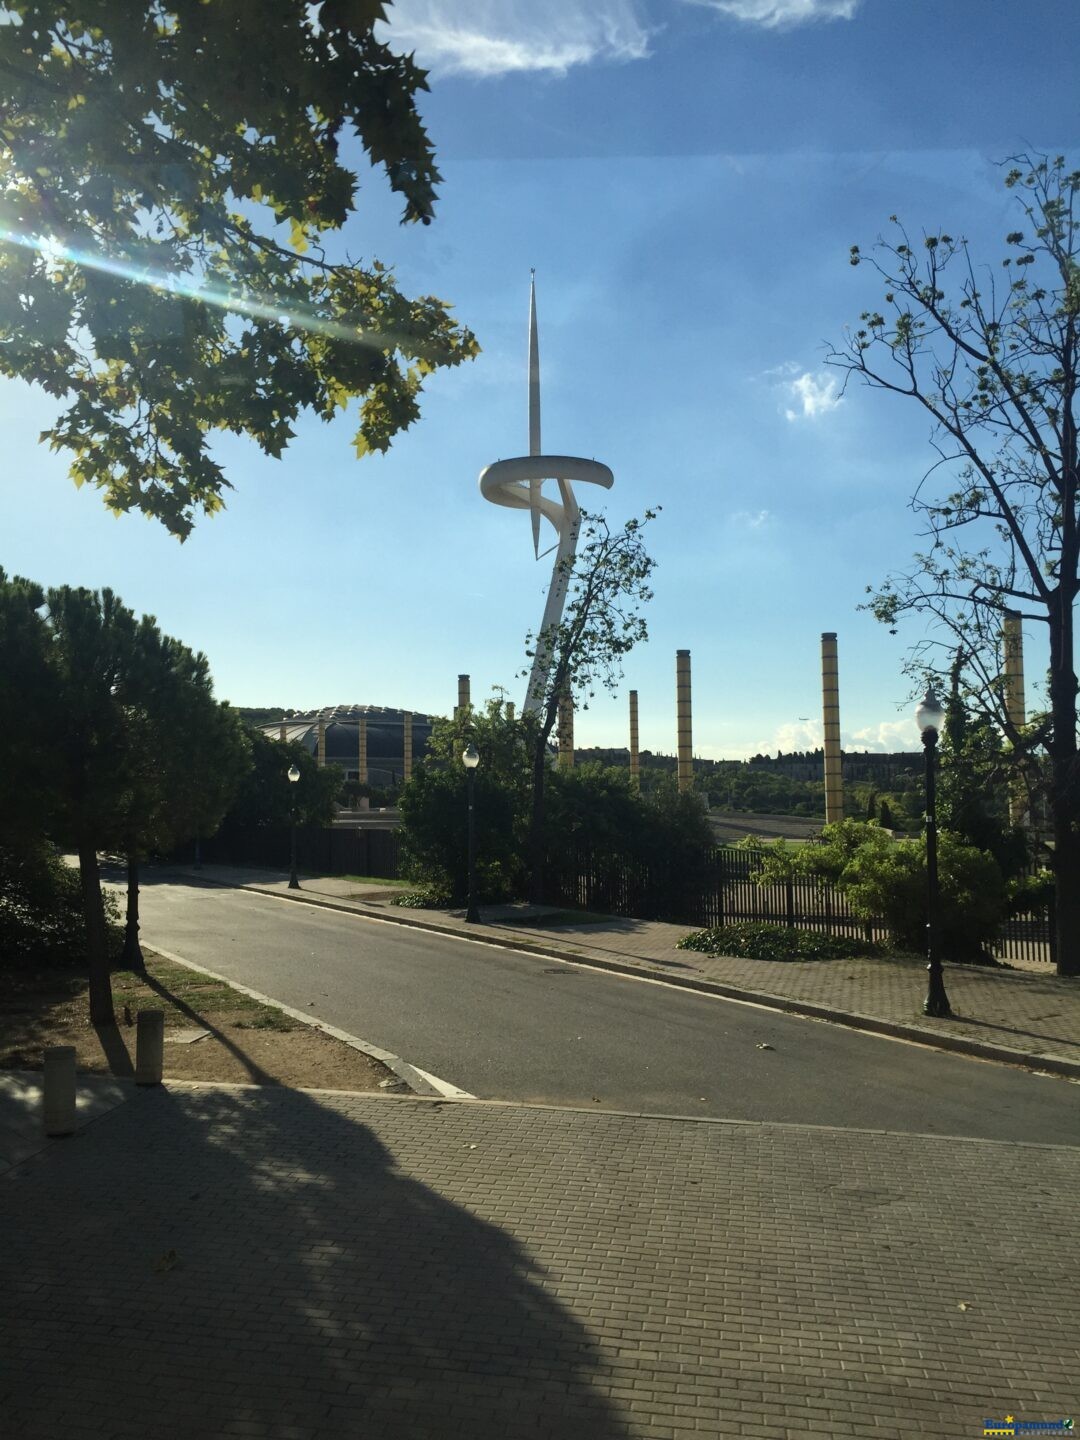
509, 1026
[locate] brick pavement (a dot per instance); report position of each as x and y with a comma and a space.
216, 1261
1031, 1013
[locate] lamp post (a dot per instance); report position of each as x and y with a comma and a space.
294, 882
928, 717
471, 759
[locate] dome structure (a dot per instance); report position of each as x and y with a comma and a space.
385, 738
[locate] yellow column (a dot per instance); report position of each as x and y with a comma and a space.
363, 752
1015, 701
635, 767
464, 697
830, 714
566, 732
322, 742
406, 727
683, 712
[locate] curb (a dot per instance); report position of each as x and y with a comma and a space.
418, 1081
869, 1024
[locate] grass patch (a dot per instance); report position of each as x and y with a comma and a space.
757, 940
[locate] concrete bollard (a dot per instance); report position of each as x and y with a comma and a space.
149, 1046
58, 1085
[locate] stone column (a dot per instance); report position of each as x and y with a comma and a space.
362, 738
283, 733
464, 697
510, 710
683, 711
635, 764
830, 714
58, 1090
406, 740
322, 742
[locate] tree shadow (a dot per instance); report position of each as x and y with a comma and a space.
114, 1049
258, 1261
258, 1075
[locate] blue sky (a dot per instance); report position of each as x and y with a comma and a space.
687, 180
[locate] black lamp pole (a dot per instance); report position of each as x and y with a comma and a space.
937, 1002
294, 879
471, 759
472, 914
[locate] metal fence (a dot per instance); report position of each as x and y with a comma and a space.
723, 890
720, 889
337, 850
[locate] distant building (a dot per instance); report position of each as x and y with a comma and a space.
385, 738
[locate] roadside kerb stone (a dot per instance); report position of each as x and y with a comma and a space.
418, 1081
214, 1260
967, 981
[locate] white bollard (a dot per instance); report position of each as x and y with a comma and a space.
58, 1085
149, 1046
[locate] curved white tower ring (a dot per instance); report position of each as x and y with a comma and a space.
514, 483
518, 484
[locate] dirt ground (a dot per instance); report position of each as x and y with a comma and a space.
212, 1032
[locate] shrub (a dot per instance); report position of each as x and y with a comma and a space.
885, 880
425, 898
1028, 893
41, 911
758, 940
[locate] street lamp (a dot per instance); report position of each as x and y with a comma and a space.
471, 759
928, 717
294, 882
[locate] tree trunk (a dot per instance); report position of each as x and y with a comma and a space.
97, 937
536, 828
1065, 800
133, 956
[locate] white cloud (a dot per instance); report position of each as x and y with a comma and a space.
500, 37
815, 395
751, 519
797, 735
886, 738
779, 14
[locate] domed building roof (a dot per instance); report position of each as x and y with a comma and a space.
385, 736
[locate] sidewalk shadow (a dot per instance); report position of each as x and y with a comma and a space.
236, 1259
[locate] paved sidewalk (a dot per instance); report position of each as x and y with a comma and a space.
1017, 1015
210, 1261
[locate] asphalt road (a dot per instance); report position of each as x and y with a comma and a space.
504, 1025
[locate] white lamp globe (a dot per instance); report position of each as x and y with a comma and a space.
929, 713
471, 758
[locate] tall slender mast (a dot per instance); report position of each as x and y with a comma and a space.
535, 486
534, 371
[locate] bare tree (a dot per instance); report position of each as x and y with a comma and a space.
992, 356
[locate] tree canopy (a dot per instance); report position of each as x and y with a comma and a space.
993, 356
607, 582
115, 713
170, 171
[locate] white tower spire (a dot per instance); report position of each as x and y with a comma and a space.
534, 371
535, 486
519, 484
